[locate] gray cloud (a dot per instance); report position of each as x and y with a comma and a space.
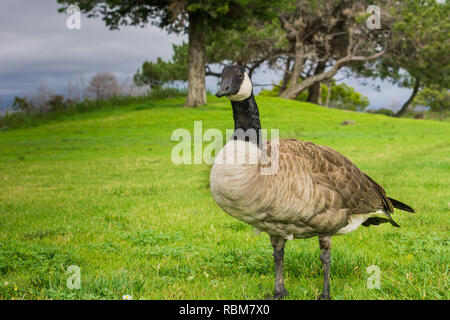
37, 47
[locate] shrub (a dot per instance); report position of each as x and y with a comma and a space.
384, 111
341, 96
159, 93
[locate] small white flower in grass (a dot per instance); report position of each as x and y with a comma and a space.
127, 297
190, 278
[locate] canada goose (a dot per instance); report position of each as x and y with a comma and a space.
315, 192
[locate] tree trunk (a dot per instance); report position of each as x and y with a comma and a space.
299, 64
327, 102
405, 106
440, 112
256, 65
197, 60
314, 90
287, 70
319, 101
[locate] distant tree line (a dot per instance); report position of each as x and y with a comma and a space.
102, 92
102, 85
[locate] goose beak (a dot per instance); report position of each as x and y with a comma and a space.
225, 88
220, 93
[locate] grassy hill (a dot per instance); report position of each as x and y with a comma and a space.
98, 190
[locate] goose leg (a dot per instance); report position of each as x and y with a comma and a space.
325, 257
278, 257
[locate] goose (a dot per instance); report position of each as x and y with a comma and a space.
315, 191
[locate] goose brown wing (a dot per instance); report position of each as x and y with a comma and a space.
330, 169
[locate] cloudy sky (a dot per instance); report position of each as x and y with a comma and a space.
37, 48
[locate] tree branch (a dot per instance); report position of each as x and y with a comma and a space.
208, 72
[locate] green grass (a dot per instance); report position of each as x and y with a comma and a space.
99, 190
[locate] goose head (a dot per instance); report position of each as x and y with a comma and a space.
235, 83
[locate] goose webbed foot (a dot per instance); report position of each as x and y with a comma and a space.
280, 294
324, 296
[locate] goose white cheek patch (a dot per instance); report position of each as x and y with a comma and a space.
244, 91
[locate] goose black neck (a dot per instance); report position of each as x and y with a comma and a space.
246, 116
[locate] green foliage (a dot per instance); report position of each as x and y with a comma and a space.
384, 111
261, 41
160, 93
345, 97
57, 102
342, 96
421, 40
99, 190
173, 14
418, 47
250, 47
434, 97
22, 105
161, 72
54, 102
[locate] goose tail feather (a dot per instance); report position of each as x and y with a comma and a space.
400, 205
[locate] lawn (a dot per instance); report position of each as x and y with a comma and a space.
99, 191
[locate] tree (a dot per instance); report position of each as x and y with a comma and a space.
343, 96
22, 105
421, 45
435, 97
37, 101
326, 36
193, 17
56, 102
157, 73
418, 55
43, 100
103, 85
